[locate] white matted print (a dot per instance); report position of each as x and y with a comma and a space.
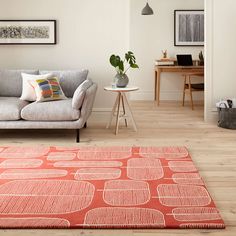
189, 28
27, 32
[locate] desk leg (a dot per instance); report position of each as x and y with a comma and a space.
118, 114
131, 113
158, 88
113, 112
184, 90
190, 91
155, 88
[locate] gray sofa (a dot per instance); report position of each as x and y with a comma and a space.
19, 114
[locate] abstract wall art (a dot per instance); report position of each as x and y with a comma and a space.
27, 32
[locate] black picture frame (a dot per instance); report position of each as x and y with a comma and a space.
25, 32
189, 28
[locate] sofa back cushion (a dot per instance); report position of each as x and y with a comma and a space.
11, 82
69, 79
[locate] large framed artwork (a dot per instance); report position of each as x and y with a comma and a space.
27, 32
189, 27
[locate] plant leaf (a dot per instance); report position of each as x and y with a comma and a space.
134, 66
113, 61
127, 57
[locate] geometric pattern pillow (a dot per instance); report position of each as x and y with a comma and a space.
47, 89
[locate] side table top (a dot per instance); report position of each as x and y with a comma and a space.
126, 89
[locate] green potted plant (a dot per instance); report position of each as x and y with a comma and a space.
122, 66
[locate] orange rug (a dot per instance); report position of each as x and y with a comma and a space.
109, 187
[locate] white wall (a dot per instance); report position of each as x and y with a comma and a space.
221, 51
89, 31
149, 35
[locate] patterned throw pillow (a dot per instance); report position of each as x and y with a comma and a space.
48, 89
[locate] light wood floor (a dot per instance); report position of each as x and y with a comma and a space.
213, 150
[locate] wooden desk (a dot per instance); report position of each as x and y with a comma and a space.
172, 69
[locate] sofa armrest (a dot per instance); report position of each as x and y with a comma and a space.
79, 94
87, 105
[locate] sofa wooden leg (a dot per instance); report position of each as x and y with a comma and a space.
77, 136
85, 125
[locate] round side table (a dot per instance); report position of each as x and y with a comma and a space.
121, 107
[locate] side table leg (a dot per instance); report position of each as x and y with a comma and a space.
123, 105
130, 111
118, 114
113, 112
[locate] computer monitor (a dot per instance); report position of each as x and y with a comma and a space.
185, 60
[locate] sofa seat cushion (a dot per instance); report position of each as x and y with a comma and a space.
10, 108
50, 111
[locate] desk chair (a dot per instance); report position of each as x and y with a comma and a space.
190, 87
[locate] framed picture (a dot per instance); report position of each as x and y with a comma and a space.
27, 32
189, 27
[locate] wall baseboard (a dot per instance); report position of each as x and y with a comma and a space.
100, 109
212, 115
165, 95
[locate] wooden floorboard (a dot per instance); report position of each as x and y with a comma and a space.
212, 149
